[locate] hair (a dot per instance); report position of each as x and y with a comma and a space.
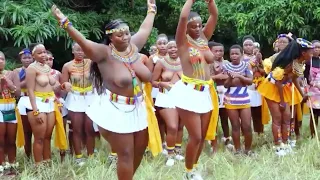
315, 41
290, 53
32, 46
95, 74
1, 53
214, 44
256, 45
236, 46
49, 53
192, 15
162, 36
248, 37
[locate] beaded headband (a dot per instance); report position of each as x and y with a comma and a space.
195, 19
304, 43
162, 39
35, 48
120, 29
171, 42
289, 35
25, 52
248, 39
256, 44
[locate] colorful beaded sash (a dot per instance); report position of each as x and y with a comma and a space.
197, 87
237, 96
196, 62
121, 99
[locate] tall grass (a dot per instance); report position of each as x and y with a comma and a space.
304, 164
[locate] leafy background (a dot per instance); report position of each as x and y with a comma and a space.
26, 21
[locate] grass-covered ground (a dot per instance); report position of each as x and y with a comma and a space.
304, 164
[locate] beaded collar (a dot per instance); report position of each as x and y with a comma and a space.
241, 68
171, 64
200, 43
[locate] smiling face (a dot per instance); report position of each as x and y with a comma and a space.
121, 38
172, 49
39, 53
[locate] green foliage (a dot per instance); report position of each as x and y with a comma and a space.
25, 21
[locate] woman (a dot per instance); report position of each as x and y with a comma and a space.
78, 100
196, 83
237, 100
9, 87
313, 73
117, 71
153, 50
259, 117
161, 44
26, 59
42, 109
166, 73
59, 94
287, 66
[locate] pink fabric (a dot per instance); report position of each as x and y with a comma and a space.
314, 90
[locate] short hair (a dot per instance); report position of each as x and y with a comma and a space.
236, 46
213, 44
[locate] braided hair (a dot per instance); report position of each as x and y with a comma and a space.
95, 74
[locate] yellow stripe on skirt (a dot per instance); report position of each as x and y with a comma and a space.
148, 89
60, 140
212, 128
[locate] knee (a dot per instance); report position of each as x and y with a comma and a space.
247, 129
196, 140
276, 121
125, 155
172, 128
236, 128
39, 140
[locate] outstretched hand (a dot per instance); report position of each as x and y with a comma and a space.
57, 13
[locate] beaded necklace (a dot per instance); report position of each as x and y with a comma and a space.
43, 68
199, 43
128, 60
5, 93
195, 59
79, 68
171, 64
240, 68
298, 68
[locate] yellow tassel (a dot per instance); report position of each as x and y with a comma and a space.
267, 64
148, 90
20, 133
299, 112
60, 139
306, 109
265, 116
278, 73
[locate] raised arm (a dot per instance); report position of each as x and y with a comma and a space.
181, 38
141, 37
91, 49
212, 20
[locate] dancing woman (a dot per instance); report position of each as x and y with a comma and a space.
42, 109
195, 96
9, 88
287, 66
117, 72
166, 73
26, 59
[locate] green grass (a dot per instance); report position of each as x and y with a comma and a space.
305, 164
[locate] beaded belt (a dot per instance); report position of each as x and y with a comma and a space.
196, 87
122, 99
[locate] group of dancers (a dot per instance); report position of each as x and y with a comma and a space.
138, 103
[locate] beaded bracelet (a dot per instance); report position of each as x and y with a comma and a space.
65, 23
36, 113
152, 9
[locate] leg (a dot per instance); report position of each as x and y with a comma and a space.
192, 121
246, 127
27, 135
205, 119
224, 122
51, 120
70, 137
77, 121
256, 118
140, 145
179, 138
62, 152
171, 118
90, 136
123, 144
276, 115
234, 117
11, 142
2, 142
316, 116
39, 131
285, 124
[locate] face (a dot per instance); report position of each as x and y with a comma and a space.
121, 40
256, 50
172, 49
77, 52
26, 60
153, 50
218, 52
162, 45
2, 61
248, 46
282, 43
307, 55
194, 28
40, 54
316, 50
235, 55
49, 61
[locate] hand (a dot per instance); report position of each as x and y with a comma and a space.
40, 118
57, 13
166, 85
208, 1
151, 2
259, 57
67, 86
282, 106
236, 75
305, 98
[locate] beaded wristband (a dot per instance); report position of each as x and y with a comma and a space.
36, 113
152, 9
65, 23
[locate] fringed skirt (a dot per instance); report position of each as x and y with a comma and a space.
191, 97
237, 98
163, 99
78, 102
255, 96
118, 114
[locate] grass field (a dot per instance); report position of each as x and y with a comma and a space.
304, 164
